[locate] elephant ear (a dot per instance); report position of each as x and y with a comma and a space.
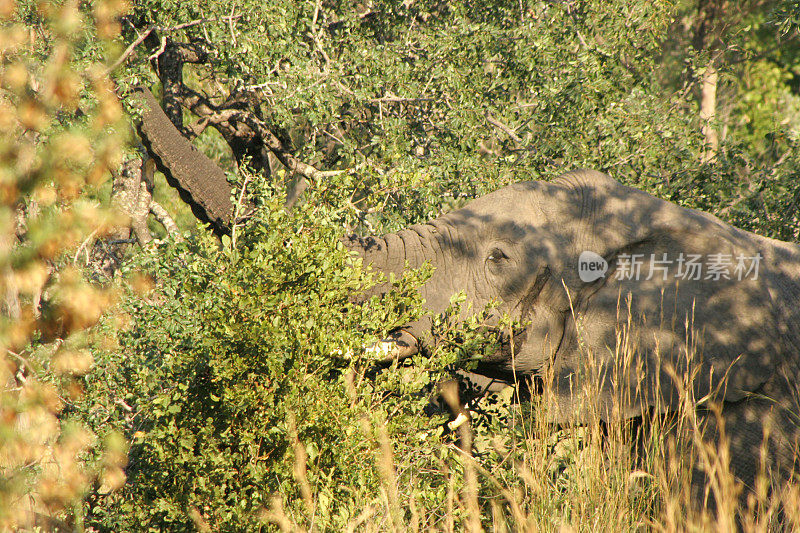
651, 321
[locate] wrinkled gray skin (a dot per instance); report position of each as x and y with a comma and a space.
520, 245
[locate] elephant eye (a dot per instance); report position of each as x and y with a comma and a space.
496, 255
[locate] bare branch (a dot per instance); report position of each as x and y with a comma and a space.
283, 154
237, 211
163, 46
128, 51
83, 247
198, 127
224, 119
392, 98
496, 123
230, 24
164, 218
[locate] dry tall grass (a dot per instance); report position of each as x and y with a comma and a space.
611, 474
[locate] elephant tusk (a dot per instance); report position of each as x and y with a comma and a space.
388, 350
458, 422
381, 350
344, 354
384, 351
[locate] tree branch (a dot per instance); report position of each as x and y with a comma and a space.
139, 40
164, 218
228, 122
496, 123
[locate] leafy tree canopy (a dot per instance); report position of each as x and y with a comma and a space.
224, 368
428, 102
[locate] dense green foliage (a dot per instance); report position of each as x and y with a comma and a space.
237, 373
231, 369
235, 354
418, 99
242, 381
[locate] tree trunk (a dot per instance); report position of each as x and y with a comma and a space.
132, 196
708, 111
706, 40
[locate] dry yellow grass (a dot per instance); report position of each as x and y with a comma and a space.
612, 475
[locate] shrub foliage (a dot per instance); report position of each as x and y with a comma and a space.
243, 361
234, 373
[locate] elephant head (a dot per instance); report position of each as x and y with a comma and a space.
576, 261
523, 245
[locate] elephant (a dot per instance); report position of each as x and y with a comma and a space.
577, 260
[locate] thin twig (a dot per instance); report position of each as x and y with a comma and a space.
236, 210
264, 85
282, 153
128, 51
582, 40
230, 24
161, 214
315, 34
82, 246
494, 122
391, 98
161, 48
198, 127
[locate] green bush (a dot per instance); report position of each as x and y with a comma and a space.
230, 381
236, 355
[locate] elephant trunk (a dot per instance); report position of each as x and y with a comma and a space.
394, 252
386, 254
199, 181
202, 184
390, 254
